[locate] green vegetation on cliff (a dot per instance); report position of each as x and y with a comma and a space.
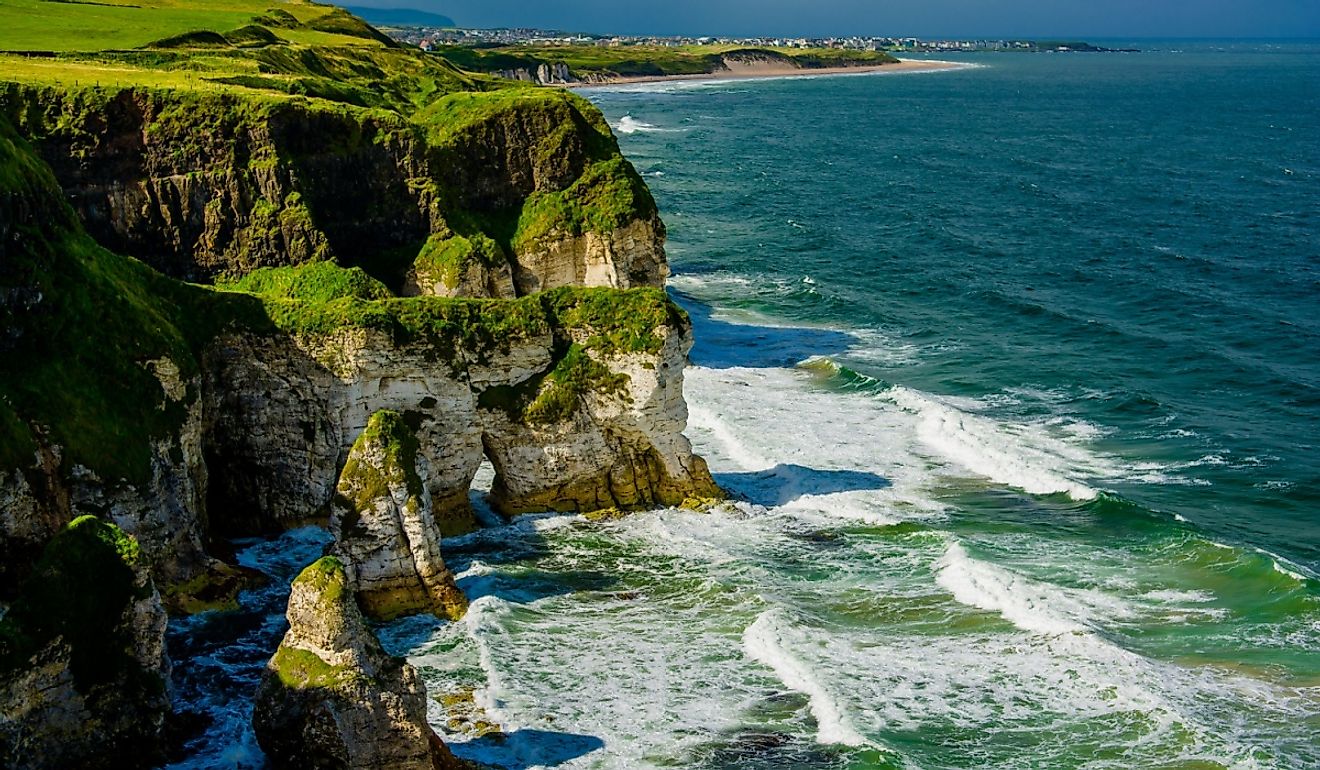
390, 432
81, 592
102, 313
318, 282
83, 327
273, 121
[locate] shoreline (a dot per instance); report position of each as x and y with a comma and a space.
763, 72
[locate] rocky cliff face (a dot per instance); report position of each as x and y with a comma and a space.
332, 698
385, 531
565, 412
206, 186
545, 74
82, 657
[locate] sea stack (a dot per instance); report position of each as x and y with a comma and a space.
332, 698
385, 530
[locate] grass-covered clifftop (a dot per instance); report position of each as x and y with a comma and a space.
222, 136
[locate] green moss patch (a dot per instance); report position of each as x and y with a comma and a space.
316, 282
388, 430
326, 578
576, 375
302, 670
81, 589
447, 259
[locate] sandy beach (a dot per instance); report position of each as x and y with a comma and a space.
739, 70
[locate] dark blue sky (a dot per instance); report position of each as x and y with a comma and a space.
952, 18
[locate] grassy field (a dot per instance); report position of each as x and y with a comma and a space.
50, 25
637, 61
280, 48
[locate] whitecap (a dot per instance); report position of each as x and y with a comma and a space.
1018, 456
766, 641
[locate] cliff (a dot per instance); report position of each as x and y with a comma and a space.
320, 198
245, 405
482, 194
332, 698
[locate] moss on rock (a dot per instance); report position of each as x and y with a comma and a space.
81, 589
369, 481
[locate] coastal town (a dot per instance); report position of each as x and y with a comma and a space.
429, 38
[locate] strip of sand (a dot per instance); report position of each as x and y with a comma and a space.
755, 70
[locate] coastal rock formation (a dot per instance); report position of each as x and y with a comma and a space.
544, 74
206, 187
618, 443
332, 698
574, 396
384, 529
82, 657
182, 414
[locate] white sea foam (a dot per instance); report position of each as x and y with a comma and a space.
1287, 567
854, 458
1016, 455
1024, 603
766, 642
630, 125
1174, 596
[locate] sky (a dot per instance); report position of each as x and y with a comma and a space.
924, 18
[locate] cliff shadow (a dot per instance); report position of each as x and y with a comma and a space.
724, 345
785, 483
527, 748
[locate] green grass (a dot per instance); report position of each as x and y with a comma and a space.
44, 25
317, 282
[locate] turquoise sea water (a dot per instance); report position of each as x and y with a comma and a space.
1017, 371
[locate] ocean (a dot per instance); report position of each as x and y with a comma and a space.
1015, 371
